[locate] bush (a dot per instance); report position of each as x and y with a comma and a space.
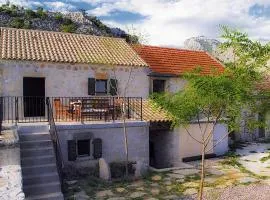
58, 17
71, 28
30, 14
17, 23
118, 169
41, 13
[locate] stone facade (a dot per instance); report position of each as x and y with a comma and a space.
66, 80
177, 144
112, 137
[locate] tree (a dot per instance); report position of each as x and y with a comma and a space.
219, 97
121, 95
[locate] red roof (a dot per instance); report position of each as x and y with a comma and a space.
177, 61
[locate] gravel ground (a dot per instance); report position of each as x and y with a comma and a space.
242, 192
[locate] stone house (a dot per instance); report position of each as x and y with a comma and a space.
78, 83
166, 67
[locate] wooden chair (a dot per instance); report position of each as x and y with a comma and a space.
62, 112
95, 108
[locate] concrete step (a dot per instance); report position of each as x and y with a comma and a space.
35, 152
33, 128
41, 189
41, 179
51, 196
34, 136
35, 144
38, 160
38, 169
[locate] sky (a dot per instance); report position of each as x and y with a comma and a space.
171, 22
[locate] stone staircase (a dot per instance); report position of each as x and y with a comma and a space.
39, 170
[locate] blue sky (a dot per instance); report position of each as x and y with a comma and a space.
171, 22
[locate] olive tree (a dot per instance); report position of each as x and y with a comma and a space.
219, 97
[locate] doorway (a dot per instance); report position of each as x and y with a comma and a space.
34, 96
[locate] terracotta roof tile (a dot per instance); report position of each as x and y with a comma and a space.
151, 113
177, 61
46, 46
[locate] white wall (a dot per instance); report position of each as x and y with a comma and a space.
69, 80
112, 136
172, 146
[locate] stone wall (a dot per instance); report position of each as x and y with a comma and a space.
172, 146
112, 137
66, 80
10, 166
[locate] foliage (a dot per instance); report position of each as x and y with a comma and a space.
118, 169
40, 13
11, 10
70, 28
20, 23
58, 17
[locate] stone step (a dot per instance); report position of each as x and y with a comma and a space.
38, 169
35, 152
41, 179
38, 160
34, 136
51, 196
34, 144
33, 128
42, 189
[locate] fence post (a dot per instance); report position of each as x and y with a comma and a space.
16, 111
1, 113
113, 117
141, 110
128, 108
48, 109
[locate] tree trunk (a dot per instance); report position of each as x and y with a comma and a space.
125, 137
200, 196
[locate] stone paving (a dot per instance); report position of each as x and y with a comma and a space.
173, 184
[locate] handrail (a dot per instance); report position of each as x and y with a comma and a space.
55, 140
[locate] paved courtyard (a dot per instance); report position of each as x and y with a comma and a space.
234, 177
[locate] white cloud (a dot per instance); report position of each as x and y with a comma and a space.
59, 6
169, 23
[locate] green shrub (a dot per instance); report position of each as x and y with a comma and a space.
118, 169
58, 17
17, 23
41, 13
30, 14
67, 21
70, 28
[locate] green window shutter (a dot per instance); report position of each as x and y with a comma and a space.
113, 87
91, 86
97, 146
72, 152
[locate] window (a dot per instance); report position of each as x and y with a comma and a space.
158, 86
101, 87
83, 148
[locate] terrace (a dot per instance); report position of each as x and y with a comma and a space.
70, 109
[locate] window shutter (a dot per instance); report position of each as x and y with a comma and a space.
97, 146
113, 87
91, 86
72, 154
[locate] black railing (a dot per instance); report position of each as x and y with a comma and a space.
56, 141
67, 109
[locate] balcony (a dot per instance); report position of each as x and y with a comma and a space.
70, 109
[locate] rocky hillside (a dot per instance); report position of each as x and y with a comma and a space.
73, 22
210, 45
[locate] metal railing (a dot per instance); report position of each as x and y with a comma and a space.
56, 141
70, 109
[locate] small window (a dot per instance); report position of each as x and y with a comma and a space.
83, 148
101, 87
158, 86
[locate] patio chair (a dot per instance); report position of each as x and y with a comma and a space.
62, 112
